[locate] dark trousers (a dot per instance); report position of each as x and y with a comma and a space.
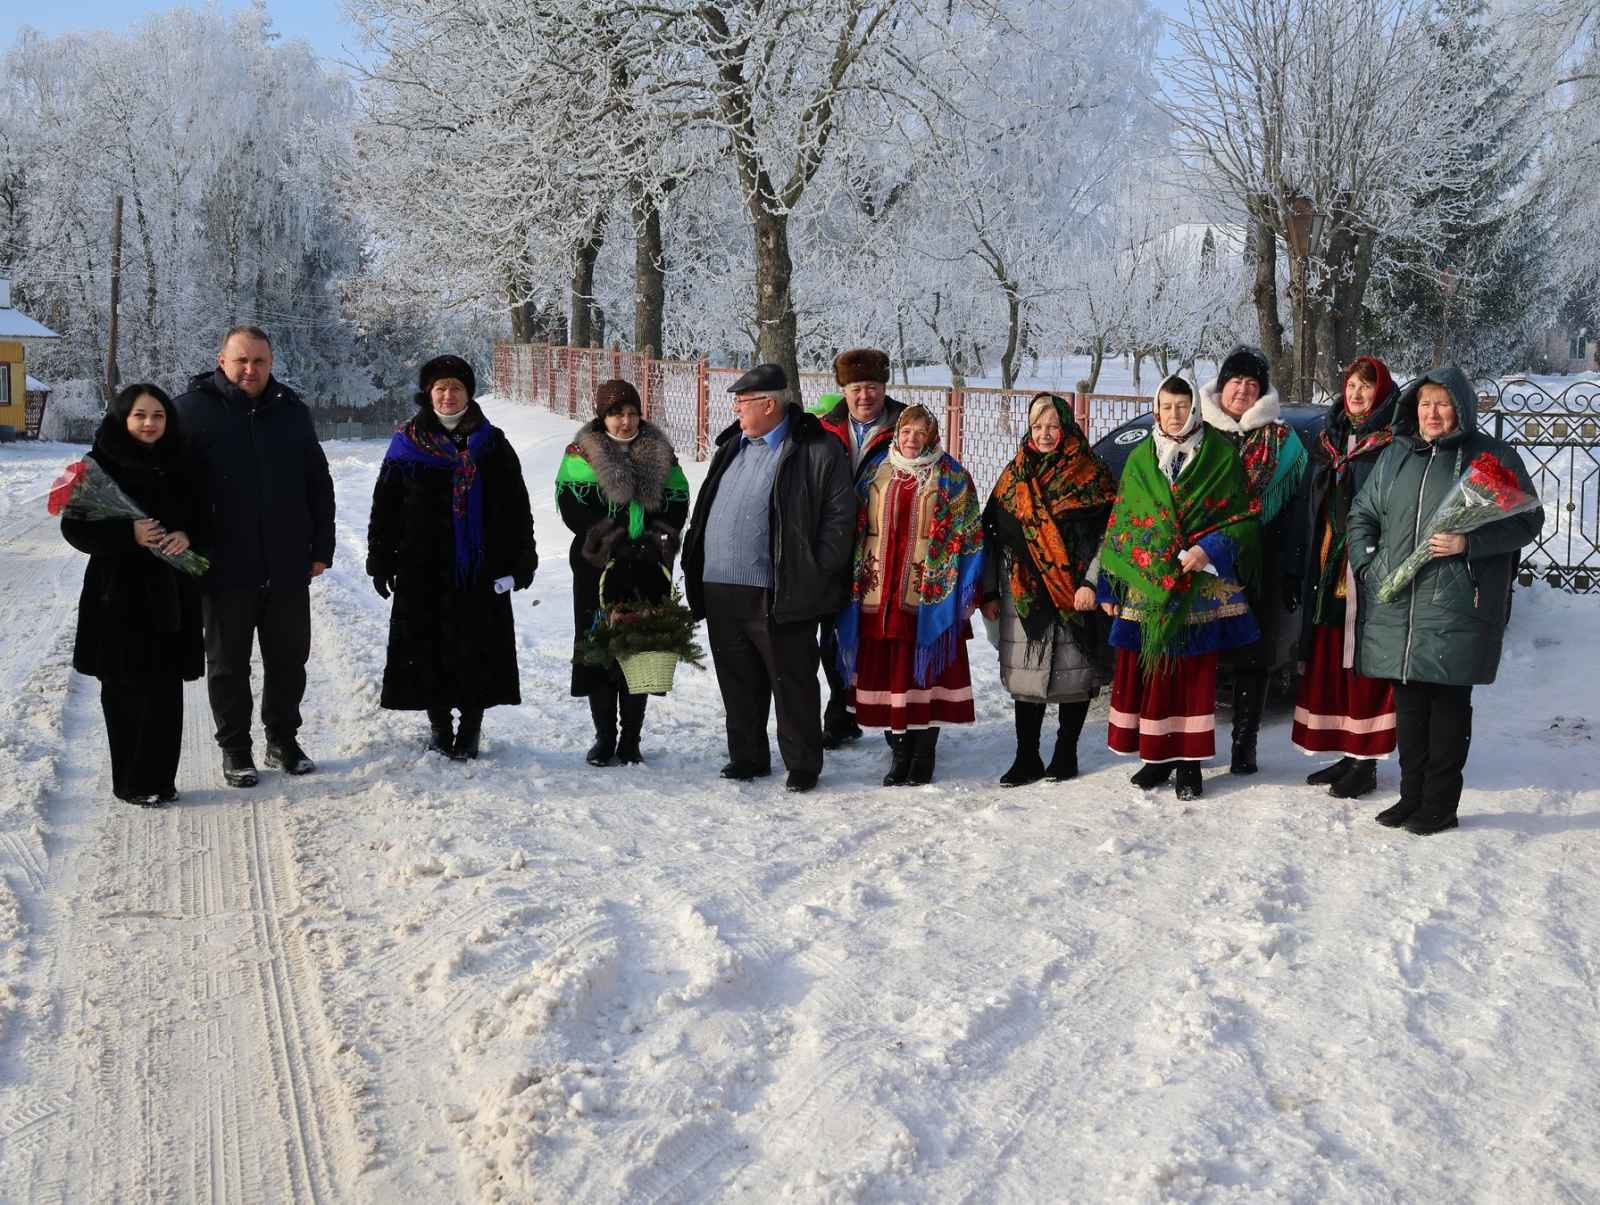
234, 619
1434, 728
760, 663
836, 715
144, 726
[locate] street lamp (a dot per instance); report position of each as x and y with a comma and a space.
1303, 231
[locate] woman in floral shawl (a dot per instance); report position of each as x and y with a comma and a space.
918, 561
1041, 529
1182, 540
1338, 710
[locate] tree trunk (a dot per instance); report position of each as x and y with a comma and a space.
649, 276
1264, 253
1097, 357
776, 327
1345, 325
1008, 360
583, 304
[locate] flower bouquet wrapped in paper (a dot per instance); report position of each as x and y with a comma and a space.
86, 491
1489, 491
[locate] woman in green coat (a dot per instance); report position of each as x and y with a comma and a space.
1441, 635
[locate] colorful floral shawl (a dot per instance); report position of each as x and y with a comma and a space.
416, 445
1038, 498
1154, 522
949, 581
1373, 432
1274, 466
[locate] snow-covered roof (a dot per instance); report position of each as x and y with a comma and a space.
14, 324
35, 385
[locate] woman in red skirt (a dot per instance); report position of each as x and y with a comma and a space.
1338, 710
1183, 539
918, 563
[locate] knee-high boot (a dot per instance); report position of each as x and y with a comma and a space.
900, 745
443, 737
1064, 761
1249, 694
1028, 766
603, 711
632, 707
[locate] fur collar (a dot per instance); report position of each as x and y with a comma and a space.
1267, 410
628, 472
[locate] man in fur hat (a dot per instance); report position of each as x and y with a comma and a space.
863, 421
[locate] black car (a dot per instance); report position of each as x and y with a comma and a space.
1307, 422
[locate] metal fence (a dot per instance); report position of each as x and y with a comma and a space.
688, 400
1558, 435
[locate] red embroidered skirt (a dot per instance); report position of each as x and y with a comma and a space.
1170, 716
1337, 710
885, 693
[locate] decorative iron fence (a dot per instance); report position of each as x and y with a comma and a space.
688, 400
1558, 436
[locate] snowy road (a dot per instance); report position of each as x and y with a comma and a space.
524, 979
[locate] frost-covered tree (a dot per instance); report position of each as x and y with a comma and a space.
207, 125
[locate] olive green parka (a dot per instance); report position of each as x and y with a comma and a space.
1448, 625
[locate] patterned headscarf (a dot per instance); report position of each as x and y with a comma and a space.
1037, 512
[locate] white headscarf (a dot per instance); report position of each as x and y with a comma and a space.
1185, 441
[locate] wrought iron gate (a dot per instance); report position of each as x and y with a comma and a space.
1558, 435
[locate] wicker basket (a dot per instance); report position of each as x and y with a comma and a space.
649, 673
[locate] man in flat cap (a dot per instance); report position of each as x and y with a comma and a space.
766, 557
863, 422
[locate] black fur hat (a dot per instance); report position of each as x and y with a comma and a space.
1244, 361
440, 367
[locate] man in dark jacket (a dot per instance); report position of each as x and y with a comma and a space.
766, 557
1441, 635
271, 501
863, 422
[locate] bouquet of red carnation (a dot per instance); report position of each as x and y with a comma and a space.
86, 491
1489, 491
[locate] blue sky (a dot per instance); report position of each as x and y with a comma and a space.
320, 22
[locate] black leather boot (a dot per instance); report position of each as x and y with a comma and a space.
632, 708
1028, 765
1152, 774
1361, 779
926, 741
1188, 784
1249, 693
603, 711
1064, 761
900, 767
442, 738
1330, 774
467, 734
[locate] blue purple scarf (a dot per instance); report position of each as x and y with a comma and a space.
415, 446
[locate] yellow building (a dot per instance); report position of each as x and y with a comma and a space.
15, 327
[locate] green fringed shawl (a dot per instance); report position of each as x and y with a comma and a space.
577, 475
1154, 522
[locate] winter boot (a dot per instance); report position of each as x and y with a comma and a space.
632, 707
467, 734
288, 756
1361, 779
1331, 773
1249, 693
603, 711
839, 726
926, 741
1188, 784
1152, 774
1064, 761
239, 769
1028, 766
899, 769
442, 738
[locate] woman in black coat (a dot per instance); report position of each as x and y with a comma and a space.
622, 493
451, 534
138, 617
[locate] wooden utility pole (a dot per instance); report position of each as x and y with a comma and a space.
113, 377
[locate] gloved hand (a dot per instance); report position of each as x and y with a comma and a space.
383, 585
1291, 593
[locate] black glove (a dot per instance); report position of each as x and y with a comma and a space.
382, 585
1291, 593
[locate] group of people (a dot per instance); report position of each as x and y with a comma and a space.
846, 538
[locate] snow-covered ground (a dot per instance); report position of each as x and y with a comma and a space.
526, 979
